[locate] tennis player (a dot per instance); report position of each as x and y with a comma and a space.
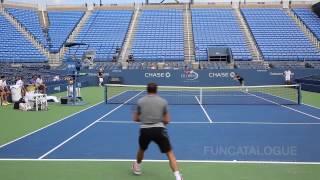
287, 76
100, 77
152, 113
240, 79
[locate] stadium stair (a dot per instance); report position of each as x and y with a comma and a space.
304, 28
252, 46
126, 49
44, 19
75, 33
29, 36
104, 32
189, 54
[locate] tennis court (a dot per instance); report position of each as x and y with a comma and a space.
265, 130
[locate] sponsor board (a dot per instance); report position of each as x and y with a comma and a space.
189, 76
157, 75
222, 74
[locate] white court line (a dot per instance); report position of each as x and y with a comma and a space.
64, 142
293, 101
312, 116
205, 112
311, 106
49, 125
228, 122
162, 161
57, 121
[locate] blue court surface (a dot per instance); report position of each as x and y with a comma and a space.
269, 132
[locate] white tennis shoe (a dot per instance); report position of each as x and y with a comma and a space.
136, 168
179, 177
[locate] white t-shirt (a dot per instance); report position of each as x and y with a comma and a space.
287, 75
39, 81
56, 78
19, 83
3, 83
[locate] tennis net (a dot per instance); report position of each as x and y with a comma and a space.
229, 95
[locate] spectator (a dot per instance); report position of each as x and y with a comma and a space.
56, 78
33, 80
176, 67
20, 83
4, 91
153, 66
41, 87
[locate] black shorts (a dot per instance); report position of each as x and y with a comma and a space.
241, 81
158, 135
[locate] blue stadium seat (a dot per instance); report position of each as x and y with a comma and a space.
310, 19
30, 20
159, 36
15, 47
277, 35
218, 27
104, 32
62, 23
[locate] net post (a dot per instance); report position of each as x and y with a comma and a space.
106, 93
299, 94
200, 96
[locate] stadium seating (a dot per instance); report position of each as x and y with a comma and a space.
104, 32
218, 27
61, 26
15, 47
310, 19
159, 36
30, 20
278, 37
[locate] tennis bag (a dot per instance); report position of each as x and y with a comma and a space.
16, 104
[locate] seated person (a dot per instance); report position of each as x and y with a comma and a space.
33, 99
40, 86
33, 79
70, 81
56, 78
20, 83
30, 91
30, 88
4, 91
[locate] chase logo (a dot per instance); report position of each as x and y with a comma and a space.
157, 75
232, 74
190, 75
222, 75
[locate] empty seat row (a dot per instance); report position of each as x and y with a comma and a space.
216, 27
104, 32
159, 36
277, 35
310, 19
15, 47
